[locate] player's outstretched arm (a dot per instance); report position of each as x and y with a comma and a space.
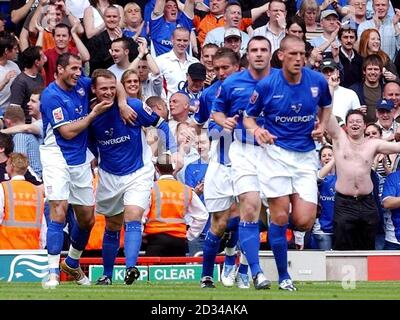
72, 129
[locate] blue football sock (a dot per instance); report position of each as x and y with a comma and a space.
210, 250
249, 237
54, 237
233, 224
79, 238
277, 239
110, 251
132, 242
243, 268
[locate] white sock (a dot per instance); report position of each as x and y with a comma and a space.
73, 253
54, 261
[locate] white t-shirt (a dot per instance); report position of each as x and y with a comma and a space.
344, 100
6, 92
117, 71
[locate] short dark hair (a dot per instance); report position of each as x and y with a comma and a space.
258, 38
63, 59
124, 41
7, 41
376, 126
341, 31
61, 26
355, 111
29, 56
6, 142
164, 164
372, 60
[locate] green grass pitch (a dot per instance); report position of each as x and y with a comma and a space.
388, 290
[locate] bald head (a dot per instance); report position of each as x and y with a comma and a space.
391, 91
289, 41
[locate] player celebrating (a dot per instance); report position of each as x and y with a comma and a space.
288, 163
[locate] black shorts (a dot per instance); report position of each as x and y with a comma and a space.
355, 222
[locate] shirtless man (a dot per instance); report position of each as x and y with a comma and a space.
355, 213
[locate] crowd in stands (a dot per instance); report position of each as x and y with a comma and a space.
162, 53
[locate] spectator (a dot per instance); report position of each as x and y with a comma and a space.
21, 208
94, 16
356, 217
391, 91
390, 201
323, 227
207, 53
194, 177
165, 19
147, 70
99, 46
207, 21
233, 40
233, 17
6, 148
120, 54
32, 60
186, 139
348, 56
45, 18
370, 43
330, 26
19, 11
131, 82
274, 30
62, 35
388, 27
36, 127
295, 27
343, 99
175, 63
25, 143
309, 11
8, 69
369, 90
135, 26
173, 206
356, 10
3, 21
194, 85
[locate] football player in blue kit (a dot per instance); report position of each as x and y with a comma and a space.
218, 190
227, 111
126, 173
66, 160
296, 104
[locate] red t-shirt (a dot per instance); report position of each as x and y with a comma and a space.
50, 66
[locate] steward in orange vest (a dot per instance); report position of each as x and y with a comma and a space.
21, 207
173, 206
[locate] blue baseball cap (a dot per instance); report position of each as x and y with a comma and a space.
385, 104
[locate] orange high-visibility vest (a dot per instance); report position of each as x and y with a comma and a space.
169, 202
264, 235
23, 212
